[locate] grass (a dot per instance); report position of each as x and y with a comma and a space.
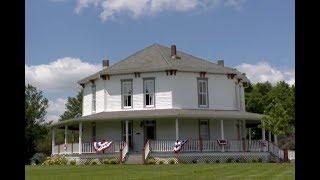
181, 171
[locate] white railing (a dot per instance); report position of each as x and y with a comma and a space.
210, 146
87, 147
146, 150
275, 150
123, 151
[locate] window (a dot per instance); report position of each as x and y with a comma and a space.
126, 90
93, 89
204, 129
148, 88
203, 92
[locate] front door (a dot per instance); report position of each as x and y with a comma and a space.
149, 130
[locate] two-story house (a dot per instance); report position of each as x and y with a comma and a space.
147, 101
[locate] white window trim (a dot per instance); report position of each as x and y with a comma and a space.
153, 93
122, 94
207, 93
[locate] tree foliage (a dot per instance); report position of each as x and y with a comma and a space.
73, 107
277, 103
35, 111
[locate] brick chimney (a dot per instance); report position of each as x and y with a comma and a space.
221, 62
173, 51
105, 63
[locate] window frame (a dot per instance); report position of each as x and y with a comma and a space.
207, 93
154, 93
122, 95
94, 98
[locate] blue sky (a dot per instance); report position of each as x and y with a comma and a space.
254, 36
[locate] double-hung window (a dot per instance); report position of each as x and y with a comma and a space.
148, 88
93, 89
126, 91
203, 92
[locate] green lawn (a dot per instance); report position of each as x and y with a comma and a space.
181, 171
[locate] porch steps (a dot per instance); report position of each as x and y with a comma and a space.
134, 158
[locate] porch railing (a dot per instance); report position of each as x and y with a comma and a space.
87, 147
209, 146
275, 150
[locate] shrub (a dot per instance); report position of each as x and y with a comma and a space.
172, 161
194, 161
259, 159
207, 161
151, 161
161, 162
229, 160
217, 161
87, 162
105, 161
113, 161
254, 160
237, 160
38, 158
56, 160
73, 162
94, 163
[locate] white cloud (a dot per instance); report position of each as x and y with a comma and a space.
138, 8
60, 75
55, 109
262, 72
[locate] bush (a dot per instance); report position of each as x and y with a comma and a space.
207, 161
73, 162
151, 161
56, 160
161, 162
113, 161
217, 161
105, 161
259, 159
237, 160
38, 158
94, 162
254, 160
194, 161
87, 162
229, 160
172, 161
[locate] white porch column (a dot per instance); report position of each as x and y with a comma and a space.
53, 141
127, 132
65, 138
80, 138
177, 128
244, 133
263, 133
269, 136
275, 139
222, 133
249, 134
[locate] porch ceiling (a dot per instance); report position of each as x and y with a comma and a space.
163, 113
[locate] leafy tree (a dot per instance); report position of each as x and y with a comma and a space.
256, 98
35, 111
73, 107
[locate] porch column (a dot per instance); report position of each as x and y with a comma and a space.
65, 137
269, 136
127, 132
275, 139
80, 138
53, 141
222, 133
244, 135
177, 128
249, 134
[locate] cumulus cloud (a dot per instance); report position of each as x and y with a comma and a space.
138, 8
55, 109
262, 72
60, 75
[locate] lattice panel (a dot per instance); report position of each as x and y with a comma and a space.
210, 157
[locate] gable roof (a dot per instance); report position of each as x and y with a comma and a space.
156, 58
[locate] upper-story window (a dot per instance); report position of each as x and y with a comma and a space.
93, 89
148, 88
126, 91
203, 92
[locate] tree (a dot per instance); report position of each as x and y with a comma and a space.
35, 112
73, 107
257, 97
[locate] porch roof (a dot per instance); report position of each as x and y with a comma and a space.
162, 113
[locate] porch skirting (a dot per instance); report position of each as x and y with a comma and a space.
217, 157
